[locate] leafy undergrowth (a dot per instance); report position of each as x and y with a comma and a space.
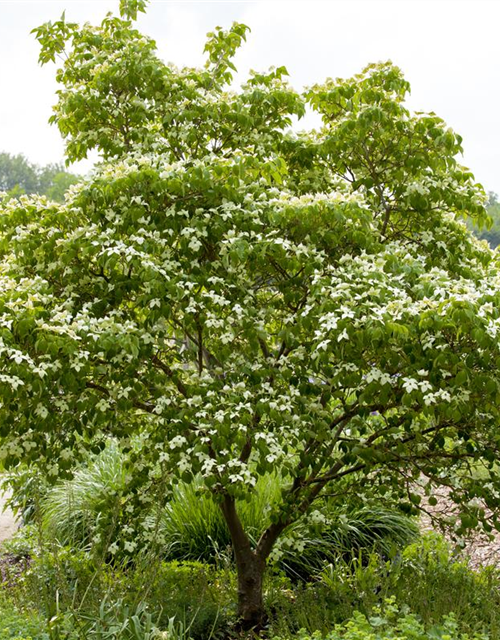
389, 623
20, 624
421, 593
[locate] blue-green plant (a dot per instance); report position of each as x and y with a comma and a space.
117, 620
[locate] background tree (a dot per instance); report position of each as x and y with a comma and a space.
19, 176
491, 232
247, 299
17, 173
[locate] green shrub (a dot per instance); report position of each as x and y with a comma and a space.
63, 578
388, 623
197, 596
425, 578
19, 624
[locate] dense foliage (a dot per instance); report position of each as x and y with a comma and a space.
245, 298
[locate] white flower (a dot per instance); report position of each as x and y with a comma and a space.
323, 345
410, 384
113, 548
343, 336
194, 244
177, 442
41, 411
317, 517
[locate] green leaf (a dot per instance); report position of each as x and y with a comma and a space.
130, 8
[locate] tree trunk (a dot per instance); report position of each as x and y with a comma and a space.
250, 568
250, 565
250, 571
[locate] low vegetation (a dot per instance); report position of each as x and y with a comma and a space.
421, 591
359, 574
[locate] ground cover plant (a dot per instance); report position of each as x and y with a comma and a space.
14, 623
78, 597
387, 625
227, 298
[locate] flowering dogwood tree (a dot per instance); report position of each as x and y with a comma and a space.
250, 299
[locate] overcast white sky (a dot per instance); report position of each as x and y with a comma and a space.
449, 50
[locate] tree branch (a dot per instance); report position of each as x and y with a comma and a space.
136, 403
168, 372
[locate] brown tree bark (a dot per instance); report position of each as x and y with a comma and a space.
250, 566
250, 571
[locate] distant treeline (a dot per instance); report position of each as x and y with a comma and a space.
492, 235
19, 176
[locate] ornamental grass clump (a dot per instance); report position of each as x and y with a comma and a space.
85, 512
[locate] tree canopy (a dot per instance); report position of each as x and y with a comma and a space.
249, 299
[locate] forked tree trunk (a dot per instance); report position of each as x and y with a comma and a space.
250, 566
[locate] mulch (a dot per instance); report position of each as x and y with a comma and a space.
12, 566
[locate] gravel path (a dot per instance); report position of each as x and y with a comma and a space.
478, 549
8, 523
